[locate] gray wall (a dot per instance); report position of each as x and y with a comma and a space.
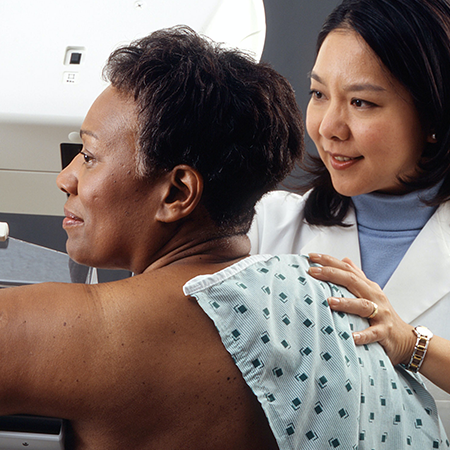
292, 28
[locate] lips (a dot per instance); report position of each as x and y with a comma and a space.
342, 158
341, 162
71, 219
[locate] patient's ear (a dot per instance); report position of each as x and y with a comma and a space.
182, 193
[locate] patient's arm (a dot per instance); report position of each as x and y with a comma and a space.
46, 360
131, 364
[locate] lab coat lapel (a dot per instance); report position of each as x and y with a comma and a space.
339, 242
423, 276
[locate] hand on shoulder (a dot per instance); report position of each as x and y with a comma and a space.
386, 326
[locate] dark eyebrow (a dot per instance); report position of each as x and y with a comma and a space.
364, 87
88, 133
356, 87
314, 76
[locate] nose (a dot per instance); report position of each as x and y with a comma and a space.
334, 124
67, 179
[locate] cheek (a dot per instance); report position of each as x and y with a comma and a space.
377, 140
92, 198
312, 122
403, 149
413, 142
98, 201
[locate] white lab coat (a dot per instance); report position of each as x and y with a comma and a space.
419, 289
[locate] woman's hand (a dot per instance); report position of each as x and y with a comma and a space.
386, 327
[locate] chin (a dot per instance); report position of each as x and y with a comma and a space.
78, 255
348, 191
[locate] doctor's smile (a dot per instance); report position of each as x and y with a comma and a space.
340, 162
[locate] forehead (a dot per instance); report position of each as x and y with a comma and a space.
345, 54
111, 116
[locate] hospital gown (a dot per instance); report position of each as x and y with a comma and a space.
318, 389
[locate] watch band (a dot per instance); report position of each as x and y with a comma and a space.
424, 336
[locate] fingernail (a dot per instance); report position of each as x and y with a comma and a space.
315, 255
333, 301
315, 270
356, 337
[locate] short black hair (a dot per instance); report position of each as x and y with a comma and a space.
217, 110
411, 38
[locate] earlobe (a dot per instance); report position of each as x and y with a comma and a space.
182, 194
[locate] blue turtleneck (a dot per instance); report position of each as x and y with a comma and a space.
387, 226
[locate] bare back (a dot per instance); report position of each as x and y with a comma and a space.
132, 364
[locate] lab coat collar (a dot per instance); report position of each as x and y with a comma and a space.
340, 242
423, 276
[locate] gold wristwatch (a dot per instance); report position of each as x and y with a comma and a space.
424, 336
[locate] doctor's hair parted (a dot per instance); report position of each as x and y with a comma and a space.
234, 120
411, 40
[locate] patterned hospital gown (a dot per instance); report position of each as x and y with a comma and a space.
318, 390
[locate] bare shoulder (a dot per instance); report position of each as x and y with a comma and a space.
126, 362
40, 330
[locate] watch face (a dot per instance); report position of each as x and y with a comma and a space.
424, 331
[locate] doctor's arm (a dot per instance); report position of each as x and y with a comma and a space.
386, 327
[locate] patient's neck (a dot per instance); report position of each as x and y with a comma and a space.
214, 250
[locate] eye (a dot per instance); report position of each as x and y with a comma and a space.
86, 157
316, 94
359, 103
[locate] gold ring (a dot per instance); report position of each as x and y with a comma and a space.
374, 312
